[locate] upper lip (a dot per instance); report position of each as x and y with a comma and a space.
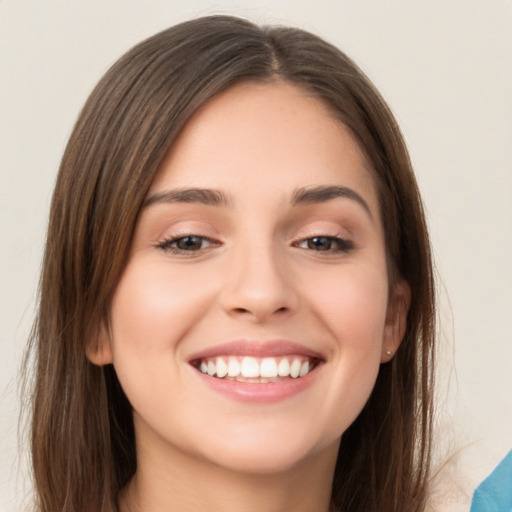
258, 349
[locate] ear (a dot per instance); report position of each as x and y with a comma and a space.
99, 348
396, 320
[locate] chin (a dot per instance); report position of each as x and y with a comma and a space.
271, 456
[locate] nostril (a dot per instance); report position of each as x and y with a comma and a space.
245, 311
240, 310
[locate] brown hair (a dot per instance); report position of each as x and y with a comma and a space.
83, 445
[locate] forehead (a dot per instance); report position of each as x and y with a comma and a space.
258, 136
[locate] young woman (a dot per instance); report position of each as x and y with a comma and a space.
237, 303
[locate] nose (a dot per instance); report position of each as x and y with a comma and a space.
260, 286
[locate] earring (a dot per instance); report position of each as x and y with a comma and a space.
389, 353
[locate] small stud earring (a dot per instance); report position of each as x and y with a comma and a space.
388, 352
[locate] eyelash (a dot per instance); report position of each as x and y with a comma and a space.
168, 245
342, 245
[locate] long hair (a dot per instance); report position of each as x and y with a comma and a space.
82, 437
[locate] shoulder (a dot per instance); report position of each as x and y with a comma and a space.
495, 492
453, 490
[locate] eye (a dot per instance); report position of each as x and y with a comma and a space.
330, 244
186, 244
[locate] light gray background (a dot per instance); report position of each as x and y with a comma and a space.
446, 69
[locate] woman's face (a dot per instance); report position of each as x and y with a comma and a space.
249, 324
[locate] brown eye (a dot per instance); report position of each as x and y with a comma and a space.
189, 243
186, 244
330, 244
320, 243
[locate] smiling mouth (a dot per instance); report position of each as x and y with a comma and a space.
256, 370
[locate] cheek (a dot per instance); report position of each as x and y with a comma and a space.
154, 307
353, 305
349, 306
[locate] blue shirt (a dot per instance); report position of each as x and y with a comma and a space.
494, 494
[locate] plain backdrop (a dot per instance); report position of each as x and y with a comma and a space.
445, 67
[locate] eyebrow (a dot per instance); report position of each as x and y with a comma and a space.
206, 196
214, 197
322, 194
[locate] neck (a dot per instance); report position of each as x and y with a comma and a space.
177, 482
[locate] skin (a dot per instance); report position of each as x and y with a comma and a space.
256, 275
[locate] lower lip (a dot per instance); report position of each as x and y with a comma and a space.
260, 392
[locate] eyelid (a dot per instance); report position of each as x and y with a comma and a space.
169, 224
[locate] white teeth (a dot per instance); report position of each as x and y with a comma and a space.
283, 370
222, 368
295, 368
268, 367
250, 367
233, 367
211, 368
